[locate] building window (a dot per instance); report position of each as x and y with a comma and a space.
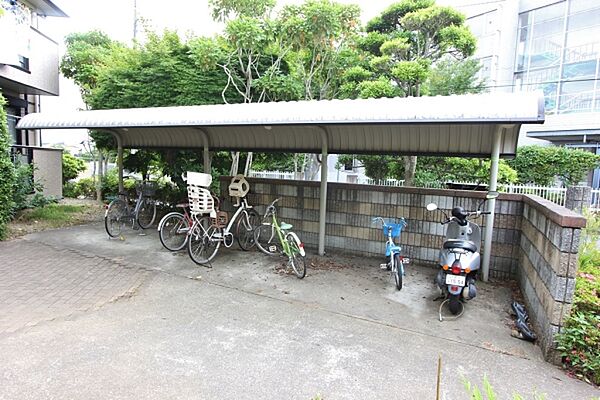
558, 48
12, 120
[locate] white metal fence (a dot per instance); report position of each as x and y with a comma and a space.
272, 174
595, 203
381, 182
554, 194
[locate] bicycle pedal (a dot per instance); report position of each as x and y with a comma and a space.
383, 266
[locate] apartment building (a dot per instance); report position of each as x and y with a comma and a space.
28, 70
547, 45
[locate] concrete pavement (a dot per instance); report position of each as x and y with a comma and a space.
241, 330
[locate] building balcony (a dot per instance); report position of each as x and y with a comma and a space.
37, 74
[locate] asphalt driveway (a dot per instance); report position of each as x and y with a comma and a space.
244, 329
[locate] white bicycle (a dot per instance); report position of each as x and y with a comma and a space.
208, 232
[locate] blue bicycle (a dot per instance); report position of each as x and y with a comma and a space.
396, 261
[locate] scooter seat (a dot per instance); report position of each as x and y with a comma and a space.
460, 244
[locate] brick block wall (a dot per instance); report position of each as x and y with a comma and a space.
549, 260
351, 208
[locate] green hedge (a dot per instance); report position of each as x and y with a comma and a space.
7, 172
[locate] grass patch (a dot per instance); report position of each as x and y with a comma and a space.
51, 213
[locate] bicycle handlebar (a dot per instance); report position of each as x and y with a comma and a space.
378, 219
271, 207
469, 214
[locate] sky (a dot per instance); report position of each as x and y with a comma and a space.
115, 18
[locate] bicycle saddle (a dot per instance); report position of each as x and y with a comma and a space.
460, 244
285, 226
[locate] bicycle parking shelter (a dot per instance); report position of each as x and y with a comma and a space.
478, 126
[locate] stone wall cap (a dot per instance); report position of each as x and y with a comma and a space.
390, 189
558, 214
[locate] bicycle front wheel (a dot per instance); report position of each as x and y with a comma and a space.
146, 213
173, 232
244, 230
115, 216
397, 271
267, 240
297, 255
204, 241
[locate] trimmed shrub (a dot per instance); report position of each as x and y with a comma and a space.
23, 186
71, 166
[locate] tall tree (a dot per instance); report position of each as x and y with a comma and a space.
86, 56
320, 35
252, 54
450, 76
404, 42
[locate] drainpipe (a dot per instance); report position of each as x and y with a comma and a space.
323, 192
206, 153
491, 204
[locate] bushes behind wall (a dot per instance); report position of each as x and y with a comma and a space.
7, 172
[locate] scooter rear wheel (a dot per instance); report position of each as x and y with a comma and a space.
454, 304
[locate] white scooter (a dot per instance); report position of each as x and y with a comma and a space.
459, 258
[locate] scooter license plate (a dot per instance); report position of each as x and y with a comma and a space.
455, 280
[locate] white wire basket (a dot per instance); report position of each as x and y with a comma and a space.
147, 189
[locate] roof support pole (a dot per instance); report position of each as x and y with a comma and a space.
119, 139
205, 153
323, 191
491, 206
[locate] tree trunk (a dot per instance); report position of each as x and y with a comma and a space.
410, 167
248, 164
106, 161
100, 176
235, 159
312, 167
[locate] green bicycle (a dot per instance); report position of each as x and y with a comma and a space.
272, 237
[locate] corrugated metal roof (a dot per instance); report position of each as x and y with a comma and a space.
459, 125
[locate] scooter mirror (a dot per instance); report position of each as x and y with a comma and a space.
492, 195
431, 207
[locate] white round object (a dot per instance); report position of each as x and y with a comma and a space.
239, 186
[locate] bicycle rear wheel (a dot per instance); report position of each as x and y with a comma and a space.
114, 218
173, 232
267, 240
297, 255
146, 213
244, 230
204, 241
